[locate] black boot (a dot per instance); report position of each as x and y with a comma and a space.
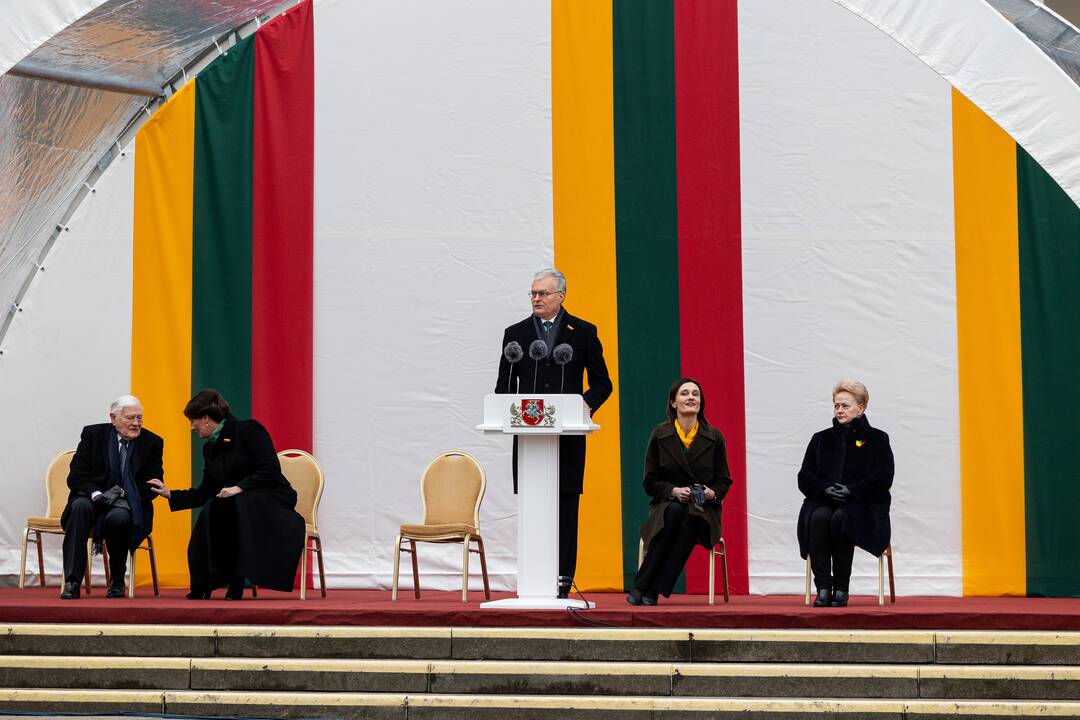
236, 589
634, 598
839, 598
824, 597
116, 590
70, 591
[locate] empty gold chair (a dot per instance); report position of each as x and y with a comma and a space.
452, 487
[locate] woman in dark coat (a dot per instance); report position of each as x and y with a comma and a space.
248, 527
682, 453
845, 476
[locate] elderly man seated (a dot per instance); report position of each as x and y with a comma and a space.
110, 498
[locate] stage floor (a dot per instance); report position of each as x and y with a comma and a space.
445, 609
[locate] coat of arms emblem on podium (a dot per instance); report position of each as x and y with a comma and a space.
532, 413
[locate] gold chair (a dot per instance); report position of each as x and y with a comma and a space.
306, 476
719, 549
885, 556
452, 488
56, 494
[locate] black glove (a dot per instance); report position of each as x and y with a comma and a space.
697, 497
108, 498
837, 492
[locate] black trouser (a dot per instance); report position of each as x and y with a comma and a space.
568, 529
116, 533
669, 550
831, 551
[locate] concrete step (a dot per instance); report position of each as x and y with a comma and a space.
571, 645
392, 706
544, 678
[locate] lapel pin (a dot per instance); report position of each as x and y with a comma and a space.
859, 443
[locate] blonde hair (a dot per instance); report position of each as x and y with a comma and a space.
857, 390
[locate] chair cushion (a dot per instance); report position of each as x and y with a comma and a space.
435, 531
44, 524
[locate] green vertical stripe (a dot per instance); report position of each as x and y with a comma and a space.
1049, 228
221, 243
646, 238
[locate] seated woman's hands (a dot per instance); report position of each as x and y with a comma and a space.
230, 491
682, 494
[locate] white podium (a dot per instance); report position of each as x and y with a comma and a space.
538, 421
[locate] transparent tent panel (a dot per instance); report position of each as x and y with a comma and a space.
54, 126
1059, 40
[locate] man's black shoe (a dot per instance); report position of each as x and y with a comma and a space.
564, 589
649, 600
115, 590
839, 598
824, 597
70, 591
634, 598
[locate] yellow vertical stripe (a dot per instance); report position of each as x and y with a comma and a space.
161, 319
988, 335
583, 163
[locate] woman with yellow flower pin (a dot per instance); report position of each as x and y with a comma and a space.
846, 475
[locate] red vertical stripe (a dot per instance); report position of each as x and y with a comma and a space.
283, 228
710, 246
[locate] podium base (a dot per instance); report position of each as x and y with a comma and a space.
537, 603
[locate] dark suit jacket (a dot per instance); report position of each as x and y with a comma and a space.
90, 469
588, 360
668, 466
858, 456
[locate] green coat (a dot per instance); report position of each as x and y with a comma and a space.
668, 465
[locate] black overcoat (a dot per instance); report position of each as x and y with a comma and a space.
269, 533
668, 466
588, 359
858, 456
90, 470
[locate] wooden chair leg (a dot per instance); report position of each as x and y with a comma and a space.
807, 578
465, 569
723, 569
415, 570
397, 565
303, 571
483, 567
881, 579
712, 576
892, 582
131, 574
90, 566
40, 560
22, 562
322, 573
105, 559
153, 564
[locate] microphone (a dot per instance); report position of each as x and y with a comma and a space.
562, 354
537, 351
512, 352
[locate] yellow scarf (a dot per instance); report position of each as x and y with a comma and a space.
688, 437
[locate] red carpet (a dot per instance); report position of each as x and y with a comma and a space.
373, 607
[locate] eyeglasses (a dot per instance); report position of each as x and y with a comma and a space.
542, 293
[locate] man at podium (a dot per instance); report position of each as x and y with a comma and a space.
550, 352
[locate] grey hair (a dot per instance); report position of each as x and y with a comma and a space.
122, 402
856, 388
560, 279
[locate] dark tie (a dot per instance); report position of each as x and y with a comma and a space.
547, 325
123, 456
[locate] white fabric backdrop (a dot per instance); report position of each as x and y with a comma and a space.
433, 209
848, 271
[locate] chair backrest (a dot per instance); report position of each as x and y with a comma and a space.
452, 488
56, 487
306, 476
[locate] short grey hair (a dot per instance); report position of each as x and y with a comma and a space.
122, 402
560, 279
856, 388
